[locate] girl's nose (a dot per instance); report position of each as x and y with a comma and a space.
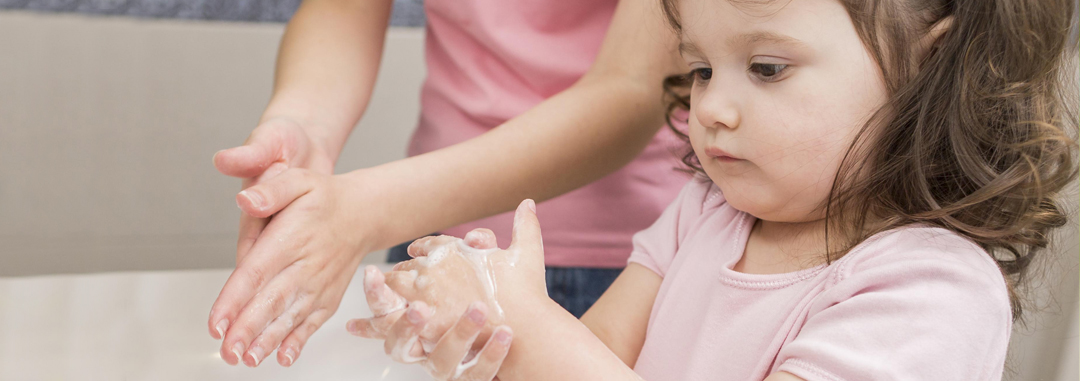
718, 107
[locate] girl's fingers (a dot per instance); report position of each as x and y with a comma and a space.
526, 227
365, 328
380, 298
403, 341
290, 348
374, 327
421, 247
266, 198
402, 283
486, 364
451, 349
481, 238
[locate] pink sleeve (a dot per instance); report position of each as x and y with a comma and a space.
914, 314
655, 247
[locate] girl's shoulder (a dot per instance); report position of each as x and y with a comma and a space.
920, 254
912, 287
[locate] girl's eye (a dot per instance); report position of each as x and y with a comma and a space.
701, 74
767, 72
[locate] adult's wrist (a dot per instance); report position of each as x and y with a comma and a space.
326, 135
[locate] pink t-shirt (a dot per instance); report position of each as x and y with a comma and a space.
915, 303
490, 60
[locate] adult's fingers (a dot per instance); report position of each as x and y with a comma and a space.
444, 360
250, 227
403, 342
486, 364
264, 199
265, 146
526, 227
290, 348
277, 330
264, 262
278, 299
481, 238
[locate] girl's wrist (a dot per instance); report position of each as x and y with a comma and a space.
522, 313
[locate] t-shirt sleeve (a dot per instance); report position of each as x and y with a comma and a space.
655, 247
914, 315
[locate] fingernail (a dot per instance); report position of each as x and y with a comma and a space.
221, 326
352, 326
254, 198
503, 337
531, 204
256, 355
290, 357
414, 315
238, 351
214, 159
475, 315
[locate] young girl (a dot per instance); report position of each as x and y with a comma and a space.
876, 176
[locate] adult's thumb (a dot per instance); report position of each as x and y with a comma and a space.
526, 227
252, 158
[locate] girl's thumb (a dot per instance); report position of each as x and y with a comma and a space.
526, 227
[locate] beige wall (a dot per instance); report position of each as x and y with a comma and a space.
107, 127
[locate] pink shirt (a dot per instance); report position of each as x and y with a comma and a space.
915, 303
490, 60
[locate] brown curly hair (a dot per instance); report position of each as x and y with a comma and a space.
977, 136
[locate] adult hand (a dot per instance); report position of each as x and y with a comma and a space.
293, 269
275, 145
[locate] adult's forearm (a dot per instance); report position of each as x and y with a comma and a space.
569, 140
577, 136
326, 67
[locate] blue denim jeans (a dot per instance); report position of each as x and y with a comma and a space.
574, 288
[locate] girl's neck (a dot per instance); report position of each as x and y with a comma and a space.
781, 247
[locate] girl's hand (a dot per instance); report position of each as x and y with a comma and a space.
293, 277
461, 353
442, 283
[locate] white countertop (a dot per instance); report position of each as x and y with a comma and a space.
152, 326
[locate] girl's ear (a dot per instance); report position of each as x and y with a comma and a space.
933, 37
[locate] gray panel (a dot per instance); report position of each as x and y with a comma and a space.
407, 13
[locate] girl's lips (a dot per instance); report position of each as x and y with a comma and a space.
720, 154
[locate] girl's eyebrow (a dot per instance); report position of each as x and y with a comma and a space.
687, 47
764, 37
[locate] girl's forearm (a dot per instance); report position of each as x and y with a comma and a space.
326, 67
550, 344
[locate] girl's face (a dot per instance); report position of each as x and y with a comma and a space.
780, 90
